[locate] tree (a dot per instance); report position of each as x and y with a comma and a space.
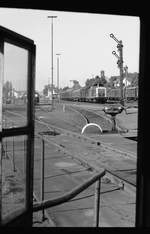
76, 84
103, 81
89, 82
45, 90
100, 81
65, 88
112, 80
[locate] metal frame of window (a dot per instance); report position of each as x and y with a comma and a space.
143, 172
143, 166
6, 35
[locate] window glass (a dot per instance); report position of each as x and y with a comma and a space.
15, 86
13, 164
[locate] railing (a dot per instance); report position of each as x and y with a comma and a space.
44, 204
68, 196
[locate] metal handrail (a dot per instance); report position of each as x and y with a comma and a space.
71, 194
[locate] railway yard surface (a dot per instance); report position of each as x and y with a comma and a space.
71, 158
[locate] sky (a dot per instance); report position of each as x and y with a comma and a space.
82, 39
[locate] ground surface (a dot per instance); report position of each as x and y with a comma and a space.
112, 214
63, 173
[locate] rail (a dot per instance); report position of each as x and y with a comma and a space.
44, 204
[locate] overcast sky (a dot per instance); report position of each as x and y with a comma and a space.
82, 39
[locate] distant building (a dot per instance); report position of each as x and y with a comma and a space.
130, 80
117, 82
17, 94
127, 81
49, 94
76, 84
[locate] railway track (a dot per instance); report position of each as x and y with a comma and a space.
48, 129
53, 135
61, 139
88, 116
92, 117
96, 144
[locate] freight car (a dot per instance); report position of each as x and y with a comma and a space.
129, 93
66, 95
113, 94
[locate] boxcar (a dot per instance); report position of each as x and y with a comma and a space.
113, 94
131, 93
66, 95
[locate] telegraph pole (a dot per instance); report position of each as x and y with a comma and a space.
52, 68
120, 64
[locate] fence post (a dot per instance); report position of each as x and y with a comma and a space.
13, 156
42, 177
24, 145
97, 202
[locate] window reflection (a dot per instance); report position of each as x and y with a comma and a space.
15, 85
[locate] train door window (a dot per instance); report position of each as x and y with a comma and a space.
17, 55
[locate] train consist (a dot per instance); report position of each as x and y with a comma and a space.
99, 94
93, 94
